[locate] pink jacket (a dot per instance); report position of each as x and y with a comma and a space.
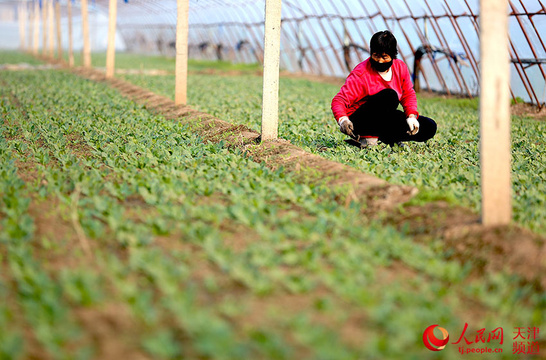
363, 81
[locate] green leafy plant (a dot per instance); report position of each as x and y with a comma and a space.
184, 234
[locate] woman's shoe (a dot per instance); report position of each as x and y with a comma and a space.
367, 141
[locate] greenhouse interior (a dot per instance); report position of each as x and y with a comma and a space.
276, 179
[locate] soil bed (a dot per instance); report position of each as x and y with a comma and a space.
516, 249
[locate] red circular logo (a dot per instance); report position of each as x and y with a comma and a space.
432, 342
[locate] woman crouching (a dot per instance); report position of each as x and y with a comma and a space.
366, 106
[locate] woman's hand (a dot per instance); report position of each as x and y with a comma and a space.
413, 125
346, 126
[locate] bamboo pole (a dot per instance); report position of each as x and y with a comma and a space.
70, 49
529, 42
36, 28
360, 34
533, 24
294, 29
182, 22
333, 29
22, 27
50, 29
423, 37
316, 38
272, 40
412, 49
303, 35
495, 113
474, 21
111, 50
85, 31
462, 35
255, 39
445, 44
329, 40
58, 28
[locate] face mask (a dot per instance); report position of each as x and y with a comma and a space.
380, 67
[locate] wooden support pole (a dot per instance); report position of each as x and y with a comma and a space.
36, 34
29, 8
44, 27
495, 113
182, 29
58, 29
111, 50
30, 33
22, 27
70, 49
50, 29
272, 41
85, 32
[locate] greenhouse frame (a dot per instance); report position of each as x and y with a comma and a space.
437, 39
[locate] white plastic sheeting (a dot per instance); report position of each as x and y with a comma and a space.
331, 37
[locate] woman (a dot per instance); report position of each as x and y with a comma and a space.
366, 106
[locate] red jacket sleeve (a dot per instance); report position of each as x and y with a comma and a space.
352, 91
408, 98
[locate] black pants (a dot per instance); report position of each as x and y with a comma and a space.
379, 116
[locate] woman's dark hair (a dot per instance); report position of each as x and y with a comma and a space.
384, 42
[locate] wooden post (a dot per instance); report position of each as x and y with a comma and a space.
36, 35
70, 50
29, 8
22, 27
58, 28
111, 50
50, 29
272, 41
85, 31
182, 28
44, 27
495, 113
30, 39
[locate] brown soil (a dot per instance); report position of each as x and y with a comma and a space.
57, 235
501, 248
264, 312
485, 249
112, 332
78, 147
529, 111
